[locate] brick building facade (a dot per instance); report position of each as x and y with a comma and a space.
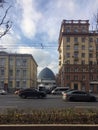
78, 55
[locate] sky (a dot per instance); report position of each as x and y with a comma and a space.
36, 26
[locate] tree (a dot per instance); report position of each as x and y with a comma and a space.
5, 24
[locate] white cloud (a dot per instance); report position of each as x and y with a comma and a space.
9, 41
29, 17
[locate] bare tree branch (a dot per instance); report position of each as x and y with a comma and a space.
5, 25
2, 21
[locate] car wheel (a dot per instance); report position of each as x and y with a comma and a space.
23, 96
41, 96
93, 99
71, 99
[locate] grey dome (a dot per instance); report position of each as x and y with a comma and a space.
46, 74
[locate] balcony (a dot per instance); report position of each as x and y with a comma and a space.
76, 43
76, 58
60, 57
91, 49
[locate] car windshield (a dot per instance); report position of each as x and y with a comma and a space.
69, 92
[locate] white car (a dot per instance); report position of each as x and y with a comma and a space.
59, 90
3, 92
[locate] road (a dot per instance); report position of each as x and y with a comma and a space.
52, 101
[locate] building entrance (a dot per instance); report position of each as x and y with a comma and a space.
75, 86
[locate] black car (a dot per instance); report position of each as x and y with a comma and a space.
31, 93
76, 95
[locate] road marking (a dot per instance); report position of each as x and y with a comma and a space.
8, 107
86, 107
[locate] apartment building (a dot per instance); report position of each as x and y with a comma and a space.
17, 71
78, 55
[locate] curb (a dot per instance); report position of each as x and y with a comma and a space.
49, 127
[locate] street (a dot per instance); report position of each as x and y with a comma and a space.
51, 101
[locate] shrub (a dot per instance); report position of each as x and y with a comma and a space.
50, 116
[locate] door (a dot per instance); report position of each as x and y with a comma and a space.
76, 86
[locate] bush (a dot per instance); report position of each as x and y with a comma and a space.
51, 116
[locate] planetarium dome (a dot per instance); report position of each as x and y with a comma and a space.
46, 74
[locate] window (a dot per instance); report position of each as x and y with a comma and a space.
75, 47
10, 84
75, 62
67, 77
83, 70
84, 29
11, 61
67, 55
11, 72
83, 86
83, 62
2, 84
83, 77
67, 47
67, 39
90, 48
90, 62
24, 84
83, 39
75, 77
97, 76
75, 39
68, 85
83, 47
67, 62
17, 73
75, 30
24, 73
76, 70
75, 55
67, 29
17, 84
67, 69
2, 72
97, 47
97, 40
90, 39
90, 55
2, 61
92, 87
18, 62
83, 55
24, 62
97, 55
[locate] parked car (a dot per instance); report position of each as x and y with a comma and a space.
3, 92
31, 93
76, 95
59, 90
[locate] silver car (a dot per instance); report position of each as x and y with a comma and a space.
3, 92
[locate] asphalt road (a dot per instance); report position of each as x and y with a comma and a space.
52, 101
